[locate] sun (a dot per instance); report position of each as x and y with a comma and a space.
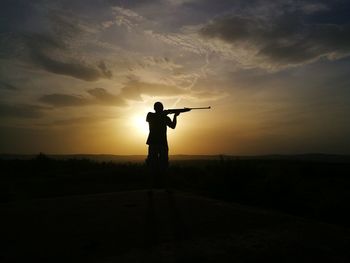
140, 125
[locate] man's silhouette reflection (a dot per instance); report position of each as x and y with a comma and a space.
157, 140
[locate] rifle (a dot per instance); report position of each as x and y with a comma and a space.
175, 111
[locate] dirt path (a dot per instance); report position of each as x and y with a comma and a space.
136, 226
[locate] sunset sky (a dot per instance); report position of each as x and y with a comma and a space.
79, 76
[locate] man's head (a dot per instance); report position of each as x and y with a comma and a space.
158, 106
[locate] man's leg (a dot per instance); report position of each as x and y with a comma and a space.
164, 164
151, 161
163, 157
152, 157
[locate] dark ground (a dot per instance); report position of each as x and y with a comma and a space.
134, 226
219, 211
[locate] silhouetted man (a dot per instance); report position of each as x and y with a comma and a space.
157, 138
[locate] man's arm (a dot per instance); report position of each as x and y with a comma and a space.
172, 124
148, 117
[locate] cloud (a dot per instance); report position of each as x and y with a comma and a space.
281, 40
185, 41
62, 47
134, 89
134, 3
73, 69
7, 86
69, 25
63, 100
53, 55
209, 6
310, 8
41, 41
98, 96
75, 121
101, 96
127, 17
208, 95
104, 70
20, 111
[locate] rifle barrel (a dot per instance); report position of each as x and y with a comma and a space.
201, 108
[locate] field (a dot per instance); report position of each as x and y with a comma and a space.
282, 205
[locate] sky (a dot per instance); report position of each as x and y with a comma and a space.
79, 76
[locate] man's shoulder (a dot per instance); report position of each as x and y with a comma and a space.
150, 115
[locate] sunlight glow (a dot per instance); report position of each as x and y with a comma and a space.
140, 125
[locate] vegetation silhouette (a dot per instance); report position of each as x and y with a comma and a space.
314, 189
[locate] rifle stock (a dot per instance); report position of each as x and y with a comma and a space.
175, 111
